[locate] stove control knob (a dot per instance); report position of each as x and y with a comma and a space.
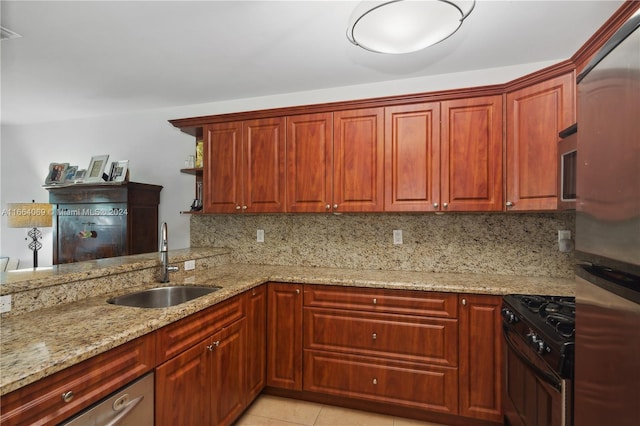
537, 342
509, 316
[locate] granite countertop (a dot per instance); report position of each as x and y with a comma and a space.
40, 343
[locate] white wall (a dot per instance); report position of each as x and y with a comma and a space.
156, 150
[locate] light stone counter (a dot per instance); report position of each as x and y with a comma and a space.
39, 343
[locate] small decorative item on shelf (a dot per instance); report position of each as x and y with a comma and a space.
96, 168
78, 177
190, 162
196, 206
119, 171
199, 153
70, 174
57, 173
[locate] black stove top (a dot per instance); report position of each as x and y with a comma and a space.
546, 324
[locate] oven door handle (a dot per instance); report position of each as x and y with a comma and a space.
547, 377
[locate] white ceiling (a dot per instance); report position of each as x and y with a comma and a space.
84, 58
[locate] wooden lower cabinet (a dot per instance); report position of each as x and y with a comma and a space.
481, 357
284, 336
256, 371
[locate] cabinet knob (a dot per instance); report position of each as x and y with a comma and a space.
297, 291
509, 203
435, 205
464, 302
214, 345
67, 396
244, 207
375, 301
374, 336
445, 205
238, 207
375, 381
335, 206
328, 207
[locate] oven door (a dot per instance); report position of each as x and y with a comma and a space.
533, 394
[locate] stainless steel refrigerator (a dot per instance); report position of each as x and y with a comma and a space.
607, 344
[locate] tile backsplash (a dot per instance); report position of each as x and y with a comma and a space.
511, 244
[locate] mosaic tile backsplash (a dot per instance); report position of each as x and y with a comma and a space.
511, 244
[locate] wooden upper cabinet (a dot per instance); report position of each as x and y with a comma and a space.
358, 166
223, 164
471, 154
309, 162
412, 157
245, 166
535, 116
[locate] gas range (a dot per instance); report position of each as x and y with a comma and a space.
547, 325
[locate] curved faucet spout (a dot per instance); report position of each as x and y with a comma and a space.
164, 253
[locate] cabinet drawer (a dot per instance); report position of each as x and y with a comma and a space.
179, 336
91, 380
400, 383
443, 305
402, 337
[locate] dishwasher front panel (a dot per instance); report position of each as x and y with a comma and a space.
130, 406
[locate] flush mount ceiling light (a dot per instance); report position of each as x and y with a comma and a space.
404, 26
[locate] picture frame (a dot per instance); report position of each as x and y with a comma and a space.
96, 168
119, 171
57, 173
79, 176
70, 174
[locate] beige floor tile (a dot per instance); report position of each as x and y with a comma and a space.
408, 422
251, 420
287, 410
336, 416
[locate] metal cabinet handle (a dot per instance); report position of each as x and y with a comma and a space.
464, 302
510, 204
244, 207
375, 301
238, 207
375, 381
435, 205
335, 206
125, 412
214, 345
328, 207
67, 396
297, 291
374, 336
445, 205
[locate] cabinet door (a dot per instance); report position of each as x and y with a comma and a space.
284, 331
309, 162
183, 388
412, 157
227, 351
264, 166
471, 167
256, 341
358, 168
222, 168
480, 357
535, 116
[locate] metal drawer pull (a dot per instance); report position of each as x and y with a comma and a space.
128, 408
67, 396
374, 336
297, 291
464, 302
375, 381
375, 301
214, 345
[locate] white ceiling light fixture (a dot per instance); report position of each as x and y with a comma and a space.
404, 26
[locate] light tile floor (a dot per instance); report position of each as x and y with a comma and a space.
270, 410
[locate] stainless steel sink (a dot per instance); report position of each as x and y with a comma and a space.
162, 297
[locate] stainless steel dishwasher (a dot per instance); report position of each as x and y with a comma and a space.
129, 406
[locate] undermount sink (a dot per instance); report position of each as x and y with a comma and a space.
162, 297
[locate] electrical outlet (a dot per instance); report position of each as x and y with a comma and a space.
260, 236
397, 236
5, 303
189, 265
564, 235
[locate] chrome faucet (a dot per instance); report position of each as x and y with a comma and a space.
164, 254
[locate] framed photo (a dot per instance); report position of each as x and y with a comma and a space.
119, 170
57, 173
96, 168
79, 176
70, 174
